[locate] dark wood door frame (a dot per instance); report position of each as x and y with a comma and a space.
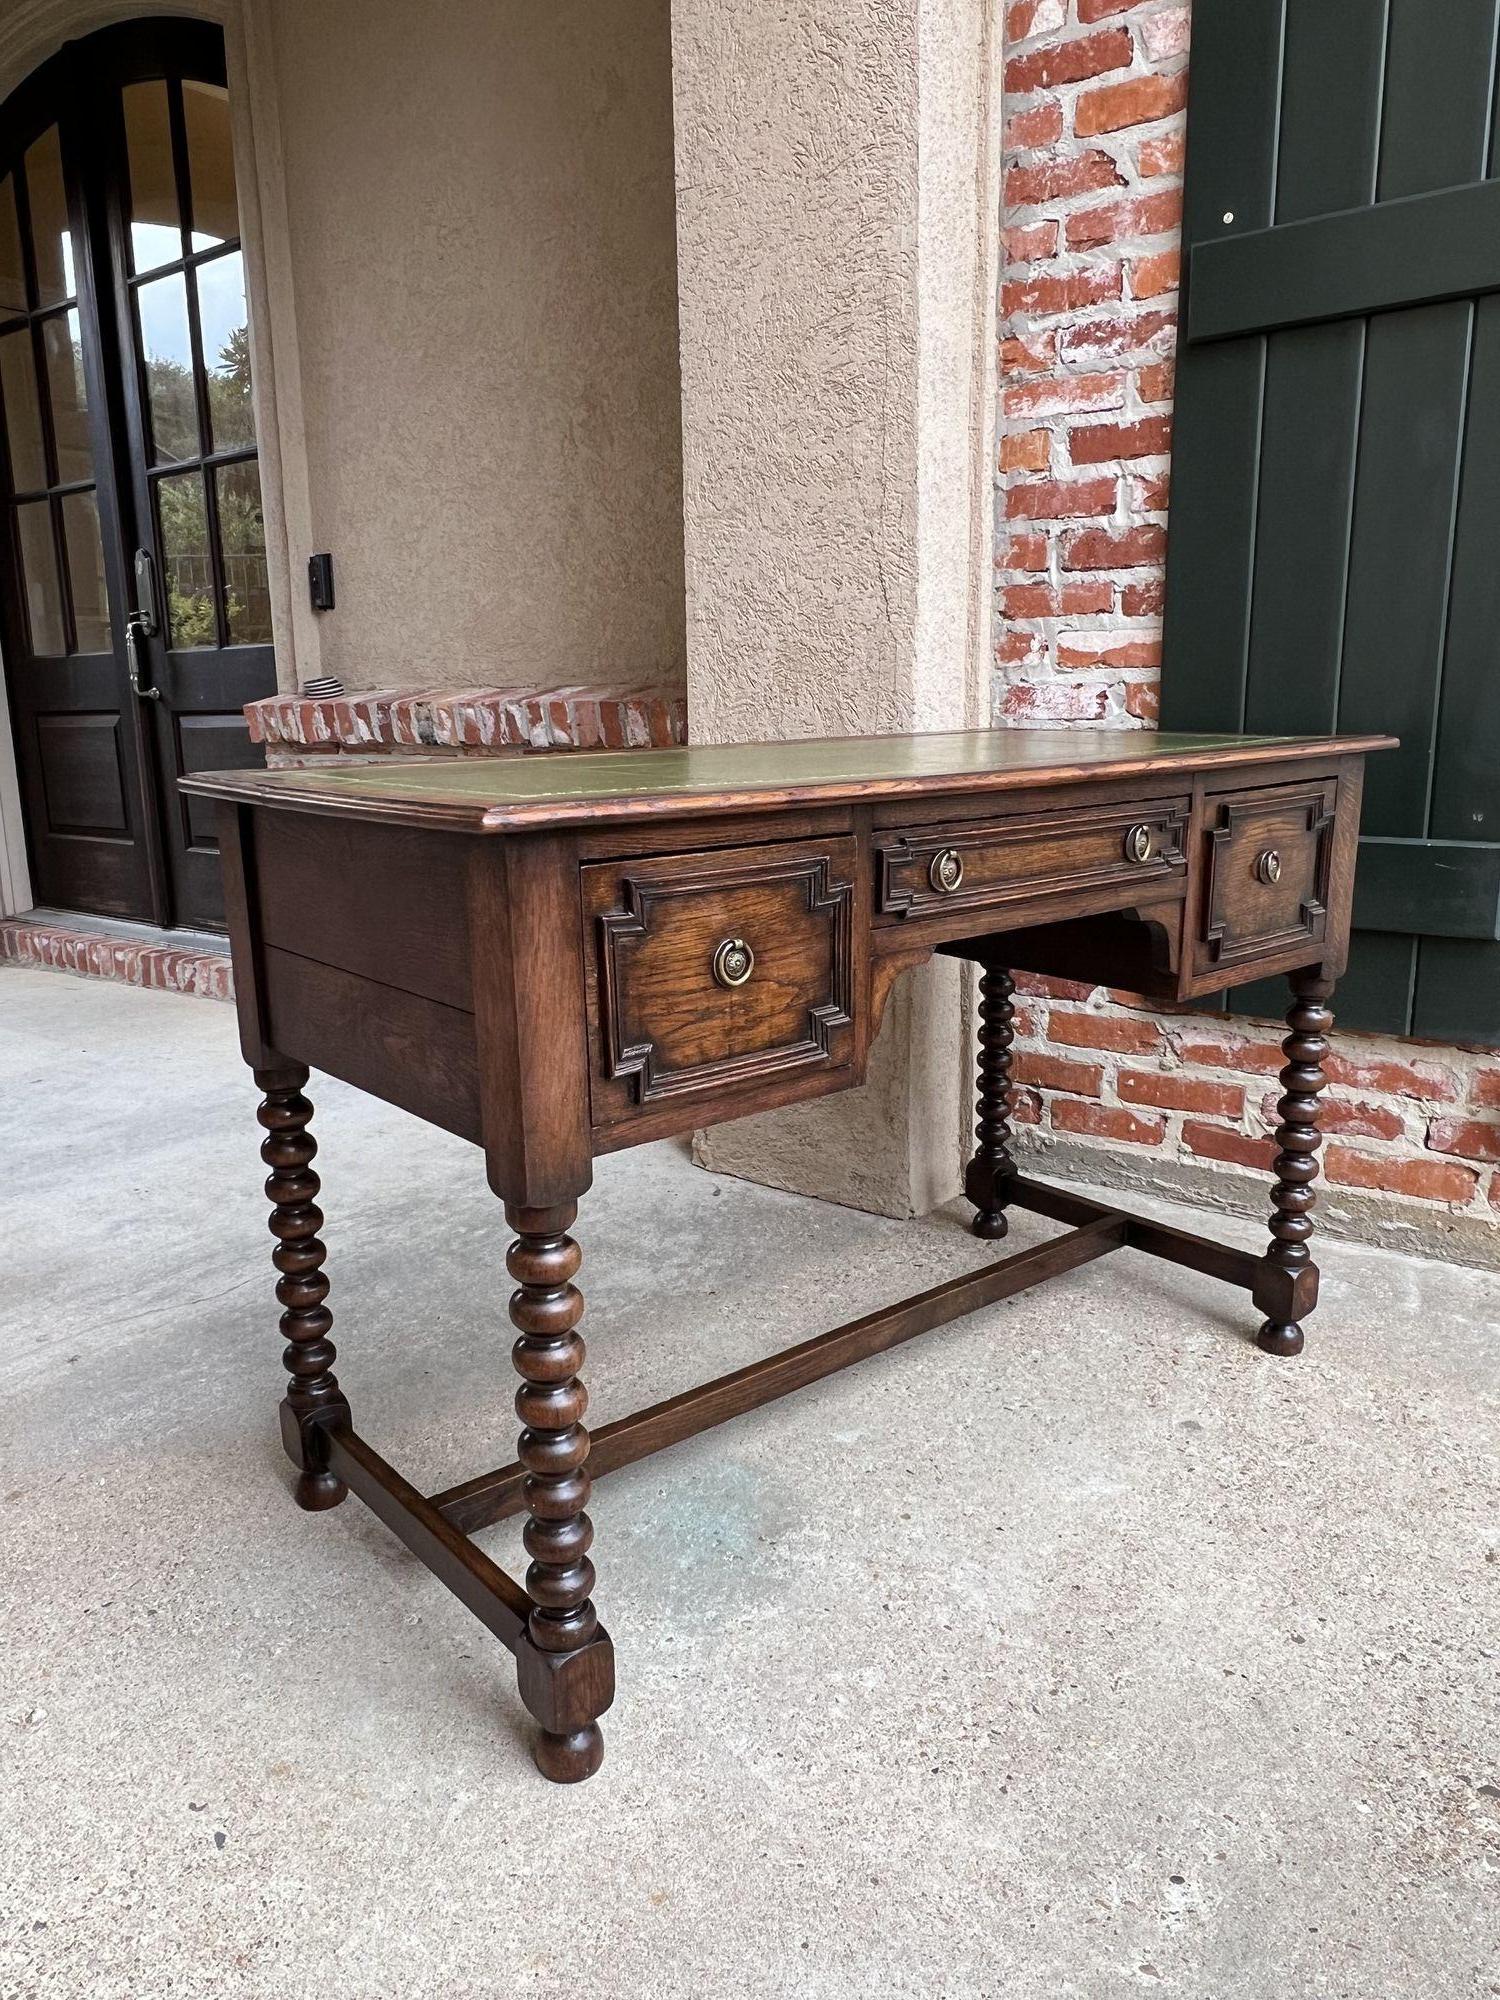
159, 862
133, 881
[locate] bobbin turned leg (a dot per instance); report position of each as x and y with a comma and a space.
566, 1662
1286, 1285
991, 1170
313, 1398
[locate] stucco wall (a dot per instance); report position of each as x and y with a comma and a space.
836, 217
798, 253
482, 297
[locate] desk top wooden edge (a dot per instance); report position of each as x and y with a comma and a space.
532, 792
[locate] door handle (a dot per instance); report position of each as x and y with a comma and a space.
137, 629
142, 625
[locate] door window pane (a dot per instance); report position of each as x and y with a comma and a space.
51, 238
155, 221
210, 164
226, 349
70, 409
167, 352
185, 559
23, 416
242, 535
85, 553
12, 270
39, 577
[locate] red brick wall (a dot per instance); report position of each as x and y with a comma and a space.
1126, 1088
1093, 204
1095, 91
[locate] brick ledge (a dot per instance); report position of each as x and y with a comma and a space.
460, 721
127, 958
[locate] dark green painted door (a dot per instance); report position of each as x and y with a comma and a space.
1334, 551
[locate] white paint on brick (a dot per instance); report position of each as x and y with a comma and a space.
467, 720
1165, 34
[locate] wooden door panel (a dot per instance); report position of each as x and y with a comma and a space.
77, 778
210, 743
201, 742
82, 765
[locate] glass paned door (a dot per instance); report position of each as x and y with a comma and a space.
137, 539
81, 766
184, 324
191, 331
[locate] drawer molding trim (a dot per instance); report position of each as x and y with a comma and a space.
638, 1063
1308, 928
903, 862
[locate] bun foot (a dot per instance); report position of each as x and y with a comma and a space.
567, 1760
1275, 1339
990, 1224
318, 1491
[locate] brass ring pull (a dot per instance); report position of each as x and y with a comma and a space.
1268, 866
1138, 843
946, 871
734, 962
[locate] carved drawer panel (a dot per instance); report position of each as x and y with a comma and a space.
1123, 850
1266, 869
710, 971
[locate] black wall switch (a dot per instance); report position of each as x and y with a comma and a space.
320, 582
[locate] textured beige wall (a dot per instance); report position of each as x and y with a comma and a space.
482, 295
797, 253
837, 208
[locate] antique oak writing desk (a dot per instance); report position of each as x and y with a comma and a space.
558, 956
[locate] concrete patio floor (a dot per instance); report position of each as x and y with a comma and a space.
1078, 1649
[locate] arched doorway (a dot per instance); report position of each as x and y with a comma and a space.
136, 615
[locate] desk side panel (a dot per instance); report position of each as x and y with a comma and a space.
413, 1052
352, 946
383, 902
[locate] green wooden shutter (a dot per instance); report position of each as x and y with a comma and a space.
1334, 546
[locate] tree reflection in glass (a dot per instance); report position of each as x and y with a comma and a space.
187, 563
167, 350
226, 350
242, 537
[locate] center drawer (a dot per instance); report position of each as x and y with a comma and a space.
986, 864
712, 971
